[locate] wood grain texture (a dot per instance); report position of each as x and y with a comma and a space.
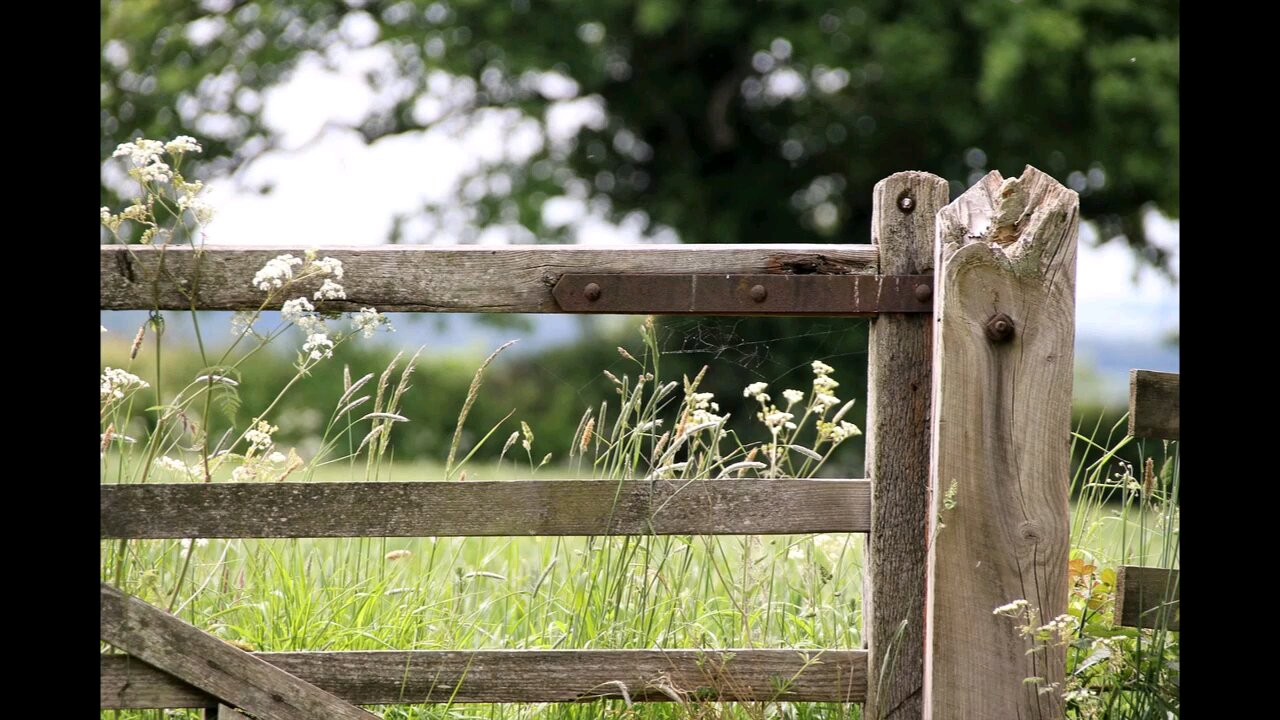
224, 672
900, 357
1153, 404
415, 278
1148, 597
526, 507
1001, 433
403, 677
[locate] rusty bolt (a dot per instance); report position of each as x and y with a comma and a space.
591, 292
999, 328
758, 293
923, 292
906, 203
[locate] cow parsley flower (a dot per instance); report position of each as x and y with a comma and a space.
141, 151
820, 368
157, 172
242, 321
823, 402
1012, 609
115, 383
318, 346
756, 390
295, 310
176, 466
277, 272
837, 433
776, 419
276, 458
792, 396
367, 321
329, 266
183, 144
259, 436
331, 290
201, 210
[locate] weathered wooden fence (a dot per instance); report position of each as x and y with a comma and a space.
1151, 596
964, 501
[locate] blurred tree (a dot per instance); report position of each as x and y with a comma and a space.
726, 121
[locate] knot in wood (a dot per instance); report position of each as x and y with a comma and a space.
1030, 531
999, 328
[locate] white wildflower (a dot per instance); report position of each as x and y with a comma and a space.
820, 368
115, 383
824, 384
331, 290
823, 402
312, 324
318, 346
837, 433
776, 419
295, 310
329, 266
276, 272
201, 210
136, 212
756, 390
792, 396
367, 321
242, 474
276, 458
155, 172
176, 466
259, 436
242, 321
141, 151
183, 144
1012, 609
199, 542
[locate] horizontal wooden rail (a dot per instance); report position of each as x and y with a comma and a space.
1148, 597
415, 278
501, 676
528, 507
196, 659
1153, 404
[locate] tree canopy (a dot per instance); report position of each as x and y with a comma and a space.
726, 121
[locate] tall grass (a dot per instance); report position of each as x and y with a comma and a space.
1123, 516
595, 592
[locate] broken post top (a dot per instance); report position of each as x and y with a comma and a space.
1024, 221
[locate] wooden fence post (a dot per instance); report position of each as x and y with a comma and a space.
899, 360
1005, 327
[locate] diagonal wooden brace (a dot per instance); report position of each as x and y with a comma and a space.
210, 664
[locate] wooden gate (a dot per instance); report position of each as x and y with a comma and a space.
965, 496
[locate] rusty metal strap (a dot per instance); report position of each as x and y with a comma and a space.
728, 294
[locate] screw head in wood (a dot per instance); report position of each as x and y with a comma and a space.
591, 292
923, 292
999, 328
906, 203
758, 293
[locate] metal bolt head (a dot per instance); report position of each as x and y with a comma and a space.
999, 328
591, 292
906, 203
758, 293
923, 292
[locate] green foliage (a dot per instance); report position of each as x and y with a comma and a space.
692, 140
